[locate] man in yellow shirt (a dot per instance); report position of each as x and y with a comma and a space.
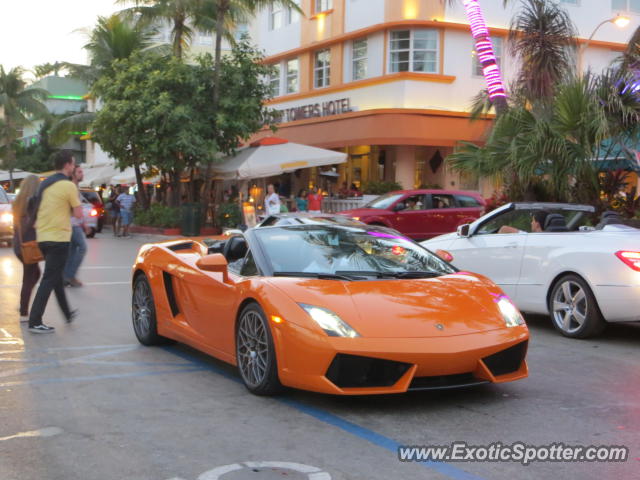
57, 201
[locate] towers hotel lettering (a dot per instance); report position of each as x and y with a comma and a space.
324, 109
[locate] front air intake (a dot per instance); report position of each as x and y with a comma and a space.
506, 361
352, 371
171, 297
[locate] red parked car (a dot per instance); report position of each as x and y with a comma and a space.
421, 214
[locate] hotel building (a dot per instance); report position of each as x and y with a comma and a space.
390, 82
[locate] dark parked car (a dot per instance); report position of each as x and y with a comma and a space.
95, 199
421, 214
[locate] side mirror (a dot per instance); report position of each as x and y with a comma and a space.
214, 263
399, 206
463, 230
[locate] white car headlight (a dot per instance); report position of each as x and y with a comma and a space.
331, 323
6, 217
512, 316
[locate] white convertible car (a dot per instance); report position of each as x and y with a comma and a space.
582, 276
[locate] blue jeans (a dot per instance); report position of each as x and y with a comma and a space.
77, 251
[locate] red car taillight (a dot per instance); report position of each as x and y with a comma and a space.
94, 212
631, 259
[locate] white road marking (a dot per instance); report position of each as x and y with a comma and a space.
6, 334
43, 432
8, 339
314, 473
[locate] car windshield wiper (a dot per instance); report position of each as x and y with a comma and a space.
378, 274
419, 274
321, 276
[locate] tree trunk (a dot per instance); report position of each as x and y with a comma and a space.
142, 192
223, 7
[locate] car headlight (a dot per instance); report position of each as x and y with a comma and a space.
512, 316
331, 323
6, 217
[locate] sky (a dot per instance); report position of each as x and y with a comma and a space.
33, 32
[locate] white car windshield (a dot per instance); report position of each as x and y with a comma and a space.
324, 250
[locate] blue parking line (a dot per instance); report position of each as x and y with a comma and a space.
331, 419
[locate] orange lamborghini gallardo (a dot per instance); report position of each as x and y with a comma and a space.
333, 308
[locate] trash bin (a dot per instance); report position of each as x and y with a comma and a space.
191, 219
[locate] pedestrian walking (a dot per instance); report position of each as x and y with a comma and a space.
114, 209
78, 246
30, 272
301, 201
271, 201
125, 201
56, 200
314, 201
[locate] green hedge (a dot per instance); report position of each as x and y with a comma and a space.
379, 188
157, 216
228, 215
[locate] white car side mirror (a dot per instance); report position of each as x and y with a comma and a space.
463, 230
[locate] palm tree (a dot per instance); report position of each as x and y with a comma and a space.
183, 15
20, 105
543, 38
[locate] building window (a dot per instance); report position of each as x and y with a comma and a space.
414, 51
204, 38
294, 16
626, 5
322, 69
497, 51
359, 59
274, 80
242, 29
292, 75
323, 5
276, 17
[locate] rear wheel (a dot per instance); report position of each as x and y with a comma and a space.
143, 313
92, 233
574, 309
255, 352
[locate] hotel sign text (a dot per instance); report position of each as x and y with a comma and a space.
323, 109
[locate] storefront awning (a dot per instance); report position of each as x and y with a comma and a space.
273, 156
96, 175
16, 175
128, 177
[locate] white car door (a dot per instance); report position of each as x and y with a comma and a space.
495, 255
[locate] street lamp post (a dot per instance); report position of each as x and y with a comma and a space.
619, 21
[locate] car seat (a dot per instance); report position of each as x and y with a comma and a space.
609, 218
555, 223
235, 248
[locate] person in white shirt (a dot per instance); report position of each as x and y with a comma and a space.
272, 201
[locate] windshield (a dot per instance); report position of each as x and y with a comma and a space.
521, 220
321, 250
385, 201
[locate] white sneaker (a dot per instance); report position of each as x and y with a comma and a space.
42, 328
24, 318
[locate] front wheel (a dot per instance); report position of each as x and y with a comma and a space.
143, 313
255, 352
574, 309
91, 233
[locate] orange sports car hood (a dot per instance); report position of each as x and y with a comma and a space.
456, 304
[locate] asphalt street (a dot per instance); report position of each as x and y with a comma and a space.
90, 403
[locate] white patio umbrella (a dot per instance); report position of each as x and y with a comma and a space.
128, 177
16, 174
95, 175
272, 156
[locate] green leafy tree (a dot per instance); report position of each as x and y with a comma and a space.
20, 105
157, 111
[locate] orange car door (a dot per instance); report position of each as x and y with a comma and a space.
208, 305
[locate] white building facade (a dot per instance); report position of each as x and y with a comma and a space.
391, 82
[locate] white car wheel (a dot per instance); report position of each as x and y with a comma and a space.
573, 308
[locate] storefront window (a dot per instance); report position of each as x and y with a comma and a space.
322, 69
414, 51
323, 5
497, 51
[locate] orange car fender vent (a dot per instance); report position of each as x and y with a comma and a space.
442, 382
181, 246
171, 296
507, 360
353, 371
